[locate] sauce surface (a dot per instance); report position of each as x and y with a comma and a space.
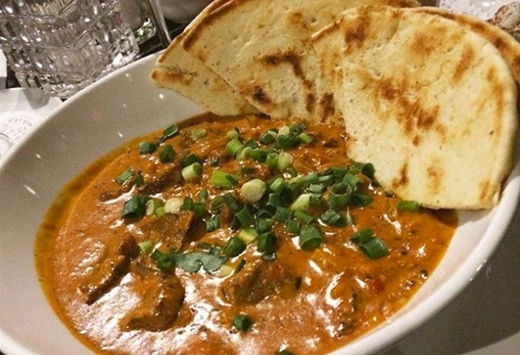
155, 280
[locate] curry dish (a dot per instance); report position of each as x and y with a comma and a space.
233, 236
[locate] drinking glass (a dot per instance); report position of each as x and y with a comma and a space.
61, 46
5, 144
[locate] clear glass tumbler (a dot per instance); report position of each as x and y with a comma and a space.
61, 46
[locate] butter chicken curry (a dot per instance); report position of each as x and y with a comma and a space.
233, 236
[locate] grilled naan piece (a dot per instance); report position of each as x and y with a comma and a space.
504, 41
429, 102
179, 71
262, 49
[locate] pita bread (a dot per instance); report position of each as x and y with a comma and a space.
429, 102
508, 46
179, 71
273, 37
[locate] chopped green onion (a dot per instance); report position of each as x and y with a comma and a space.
333, 218
126, 175
263, 213
285, 161
159, 211
198, 208
410, 206
272, 160
248, 235
291, 170
243, 322
166, 154
284, 130
173, 205
310, 237
170, 131
192, 171
259, 155
233, 134
309, 179
187, 204
278, 185
366, 169
263, 225
152, 205
341, 188
234, 247
305, 138
223, 179
266, 243
212, 223
244, 153
190, 159
198, 133
316, 188
368, 243
293, 227
297, 128
252, 143
305, 217
275, 200
287, 141
338, 172
135, 207
164, 261
232, 202
146, 247
352, 180
268, 137
374, 248
234, 146
147, 147
361, 200
283, 214
362, 236
301, 203
337, 201
203, 195
217, 203
245, 217
326, 180
253, 190
139, 179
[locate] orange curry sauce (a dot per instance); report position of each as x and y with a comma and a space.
100, 271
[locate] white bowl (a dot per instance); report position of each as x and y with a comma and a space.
121, 106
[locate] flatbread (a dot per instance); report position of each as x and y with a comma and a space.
508, 46
429, 102
181, 72
262, 49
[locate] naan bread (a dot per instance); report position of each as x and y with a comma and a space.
508, 46
262, 49
429, 102
179, 71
